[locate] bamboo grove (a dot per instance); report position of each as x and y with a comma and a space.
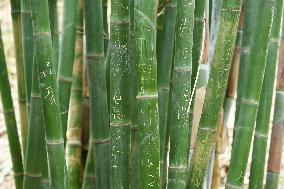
138, 94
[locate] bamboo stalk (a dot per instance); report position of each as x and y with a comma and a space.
53, 17
89, 179
45, 179
118, 60
49, 95
17, 33
276, 143
10, 120
215, 93
98, 92
263, 116
251, 95
66, 59
147, 94
28, 45
35, 145
181, 91
75, 112
164, 66
106, 24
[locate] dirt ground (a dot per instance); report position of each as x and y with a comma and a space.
6, 173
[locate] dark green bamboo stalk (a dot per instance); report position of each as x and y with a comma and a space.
181, 92
118, 60
9, 115
147, 94
251, 95
28, 45
66, 59
106, 25
249, 28
199, 19
165, 60
264, 110
160, 27
17, 33
49, 95
276, 144
36, 144
45, 179
98, 92
215, 93
75, 112
89, 179
134, 161
53, 16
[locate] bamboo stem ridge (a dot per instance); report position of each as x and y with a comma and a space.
165, 64
251, 95
264, 110
181, 92
75, 112
53, 17
118, 60
36, 144
276, 144
9, 115
215, 93
28, 46
66, 59
17, 33
147, 94
49, 95
95, 60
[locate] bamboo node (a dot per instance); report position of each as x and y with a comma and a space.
122, 21
42, 35
65, 79
144, 97
101, 141
54, 142
100, 56
33, 175
250, 102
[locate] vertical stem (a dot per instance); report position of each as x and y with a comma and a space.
256, 62
53, 16
165, 43
36, 144
49, 95
66, 59
89, 179
28, 46
106, 25
181, 91
147, 94
95, 60
118, 60
10, 120
75, 112
263, 116
215, 93
17, 33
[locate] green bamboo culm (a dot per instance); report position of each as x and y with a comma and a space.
264, 110
96, 67
66, 59
215, 93
118, 61
28, 46
75, 112
106, 25
146, 93
165, 60
249, 29
160, 27
45, 178
89, 179
277, 135
250, 97
181, 91
10, 120
17, 33
53, 17
36, 144
49, 95
134, 161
